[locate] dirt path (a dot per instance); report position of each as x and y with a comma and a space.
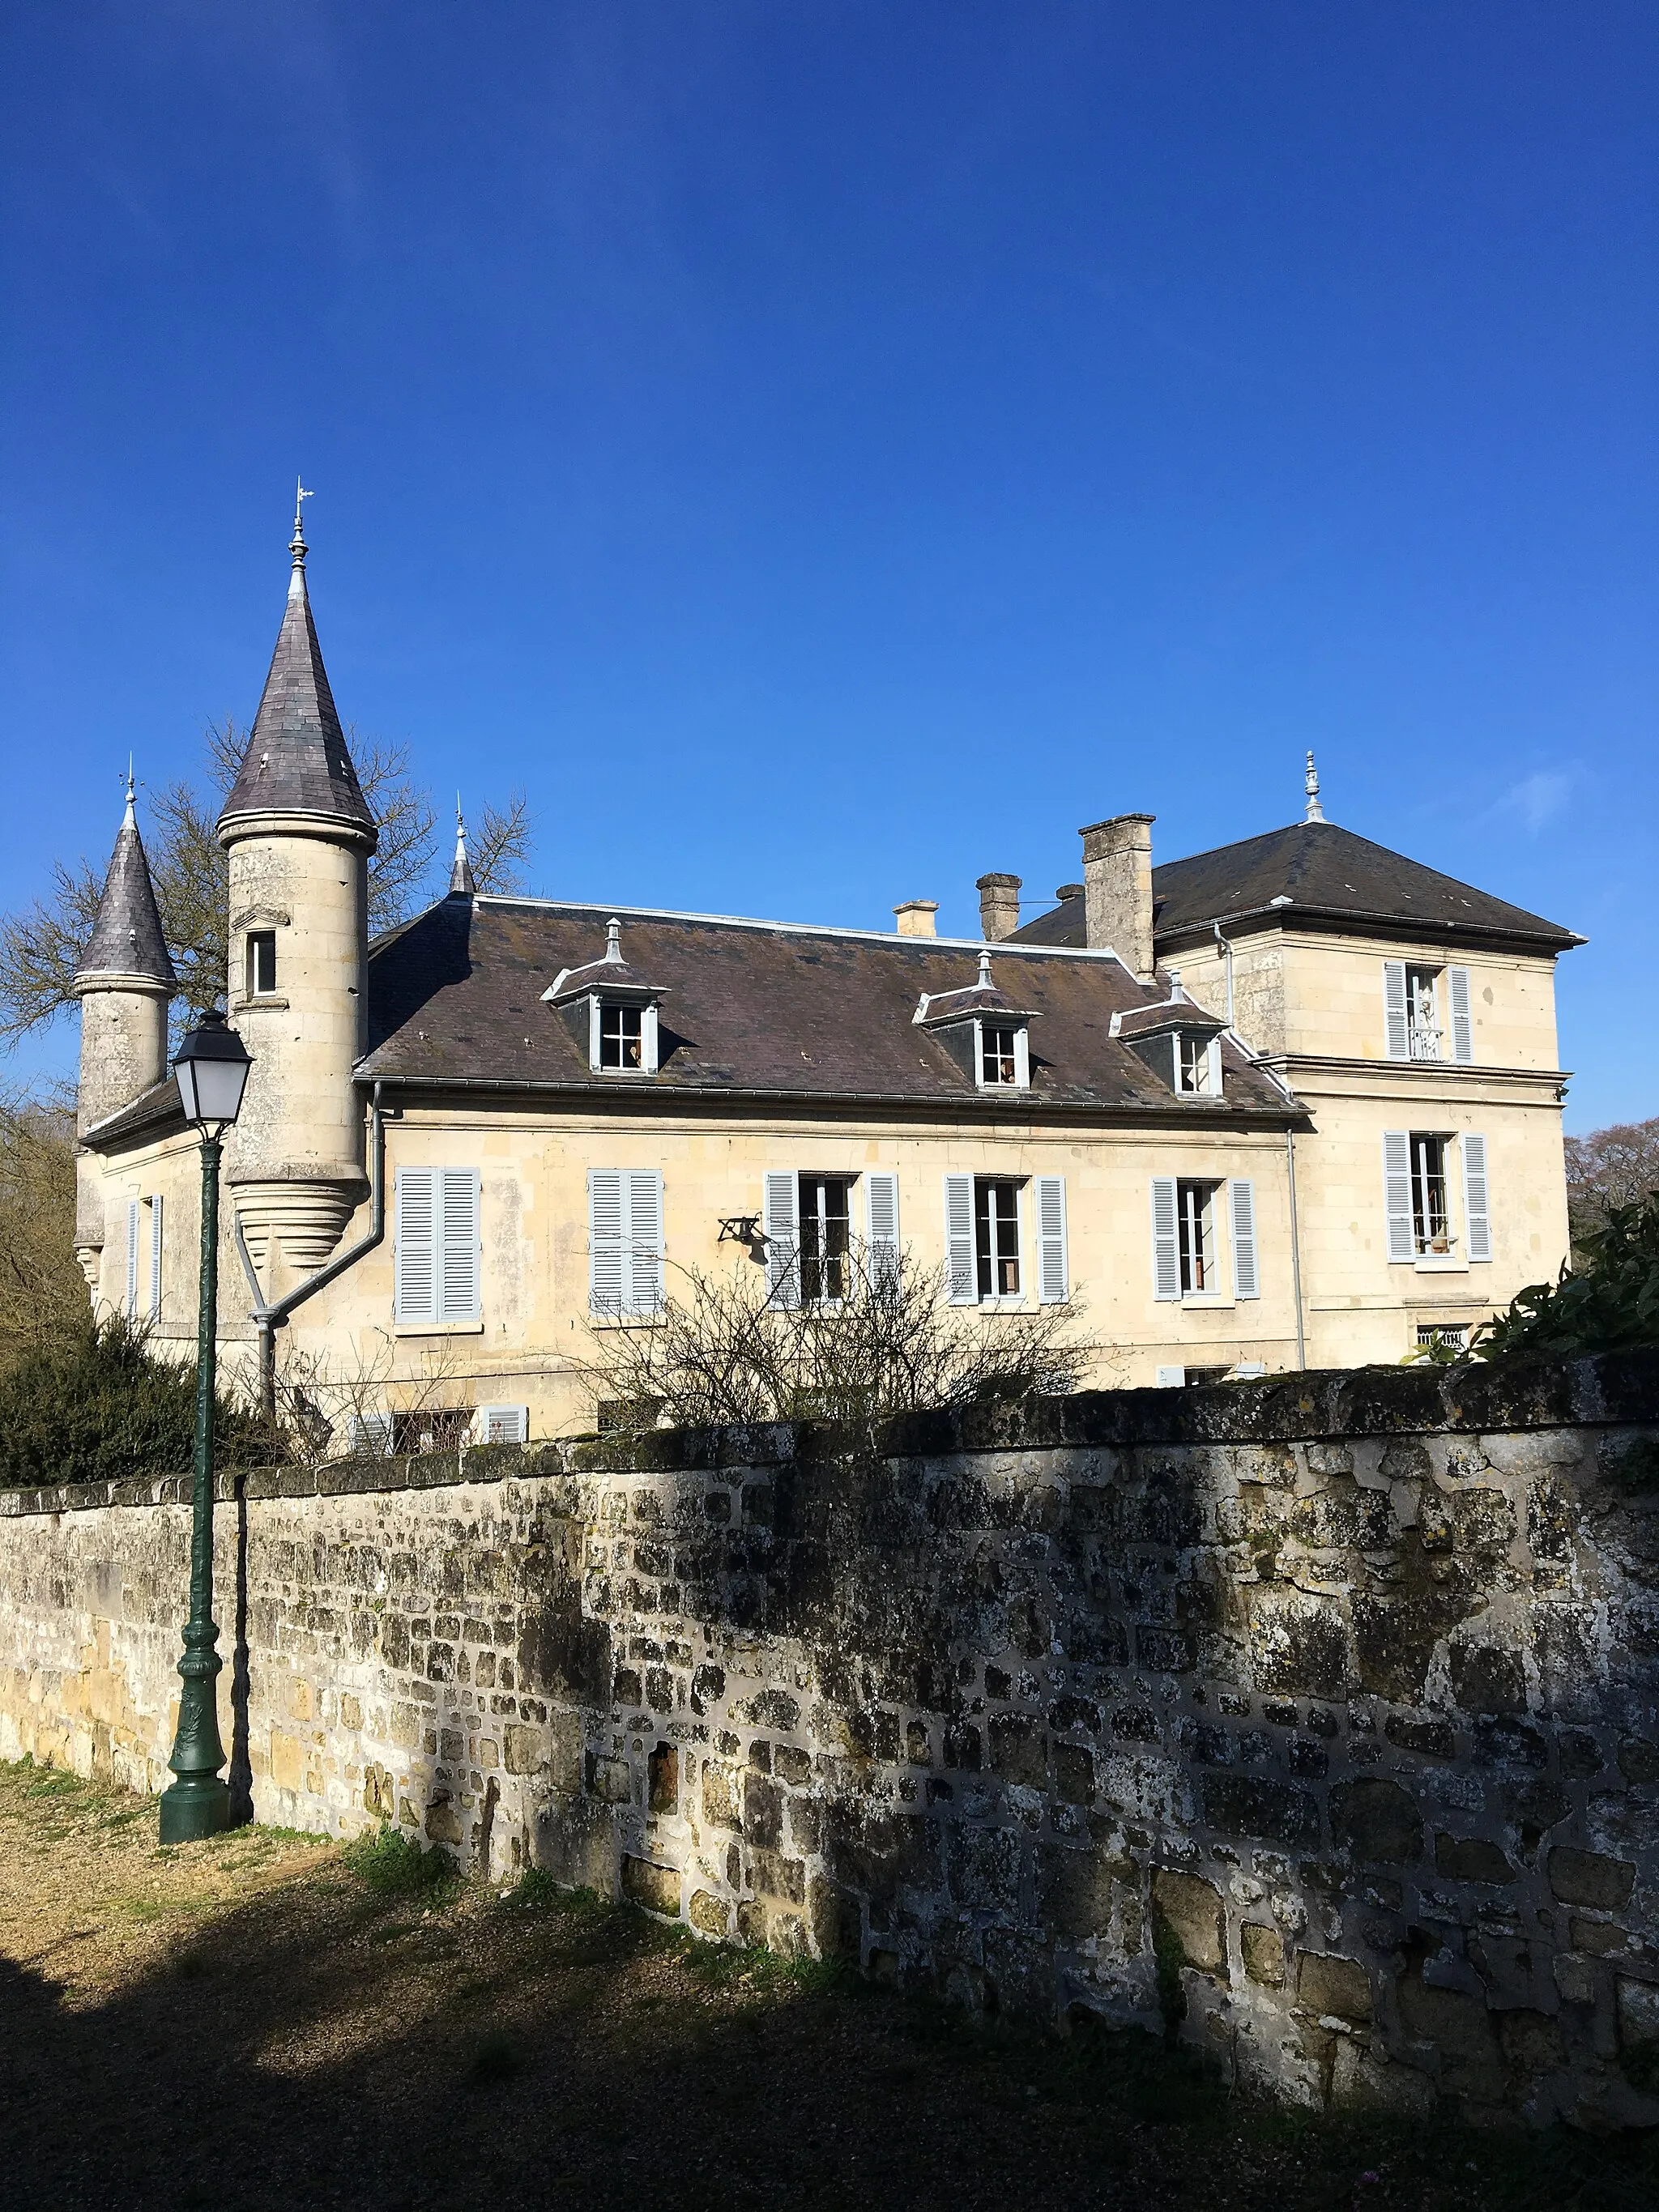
253, 2024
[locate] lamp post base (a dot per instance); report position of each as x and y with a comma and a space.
193, 1809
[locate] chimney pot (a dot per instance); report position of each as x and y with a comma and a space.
1069, 891
915, 917
998, 907
1117, 890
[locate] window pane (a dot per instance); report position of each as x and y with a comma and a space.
620, 1032
997, 1053
996, 1237
1195, 1232
261, 962
1430, 1226
825, 1215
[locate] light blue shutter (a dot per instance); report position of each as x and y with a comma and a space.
1397, 1194
155, 1257
1463, 1017
1053, 1284
1166, 1249
458, 1270
607, 1274
643, 1193
1395, 1025
132, 1258
1477, 1216
881, 1214
415, 1264
961, 1283
782, 1223
1246, 1279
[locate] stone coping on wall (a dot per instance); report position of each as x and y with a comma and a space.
1504, 1397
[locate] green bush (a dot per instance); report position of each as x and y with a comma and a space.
100, 1408
1611, 1303
395, 1866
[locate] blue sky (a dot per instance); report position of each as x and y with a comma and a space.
825, 449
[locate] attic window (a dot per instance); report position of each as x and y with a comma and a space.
1003, 1056
622, 1036
622, 1040
1197, 1064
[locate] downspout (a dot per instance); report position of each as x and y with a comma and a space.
1296, 1249
1227, 954
268, 1319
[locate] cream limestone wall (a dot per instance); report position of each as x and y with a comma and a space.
533, 1341
124, 1046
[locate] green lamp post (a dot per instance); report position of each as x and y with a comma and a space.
211, 1069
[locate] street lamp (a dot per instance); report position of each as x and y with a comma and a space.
212, 1072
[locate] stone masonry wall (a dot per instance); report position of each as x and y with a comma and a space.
1316, 1721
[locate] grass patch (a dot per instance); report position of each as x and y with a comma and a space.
535, 1891
55, 1781
722, 1965
393, 1866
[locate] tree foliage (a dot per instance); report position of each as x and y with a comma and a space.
1609, 1304
726, 1350
95, 1407
40, 947
1612, 1167
43, 1293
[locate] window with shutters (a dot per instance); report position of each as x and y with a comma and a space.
1431, 1223
261, 963
1424, 1010
996, 1237
825, 1237
437, 1254
624, 1242
1195, 1238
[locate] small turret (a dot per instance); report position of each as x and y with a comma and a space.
298, 834
125, 981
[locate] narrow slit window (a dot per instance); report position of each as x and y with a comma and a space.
622, 1036
261, 963
996, 1236
825, 1238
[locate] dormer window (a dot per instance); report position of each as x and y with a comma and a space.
984, 1031
610, 1009
1003, 1056
1197, 1064
622, 1040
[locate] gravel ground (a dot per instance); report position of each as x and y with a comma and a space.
259, 2022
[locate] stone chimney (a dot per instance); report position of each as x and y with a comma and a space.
915, 917
1117, 890
998, 907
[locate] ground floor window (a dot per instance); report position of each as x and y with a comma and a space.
825, 1237
1451, 1336
1431, 1226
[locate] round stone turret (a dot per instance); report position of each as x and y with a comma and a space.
125, 981
298, 834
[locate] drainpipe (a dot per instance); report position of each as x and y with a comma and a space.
1227, 954
1296, 1249
268, 1319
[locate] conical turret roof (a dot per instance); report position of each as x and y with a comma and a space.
127, 939
296, 762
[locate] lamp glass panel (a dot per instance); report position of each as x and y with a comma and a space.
219, 1088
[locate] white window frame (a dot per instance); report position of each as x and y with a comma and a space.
253, 987
1022, 1054
449, 1245
1209, 1216
1211, 1086
595, 1005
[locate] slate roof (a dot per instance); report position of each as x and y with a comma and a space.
127, 938
756, 1010
296, 761
152, 1114
1330, 875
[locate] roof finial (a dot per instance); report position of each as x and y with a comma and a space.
297, 543
132, 792
460, 875
984, 983
1316, 813
613, 940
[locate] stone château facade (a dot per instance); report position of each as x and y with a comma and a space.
1292, 1102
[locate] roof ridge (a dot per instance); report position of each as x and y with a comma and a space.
805, 928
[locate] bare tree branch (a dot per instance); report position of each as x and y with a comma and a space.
500, 846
